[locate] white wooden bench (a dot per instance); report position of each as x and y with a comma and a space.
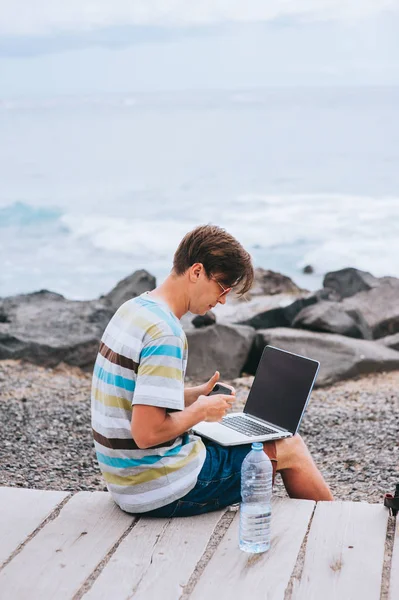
58, 545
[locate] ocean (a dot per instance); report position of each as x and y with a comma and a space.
93, 188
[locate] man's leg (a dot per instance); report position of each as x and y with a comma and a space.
301, 477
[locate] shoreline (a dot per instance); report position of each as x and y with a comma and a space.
47, 442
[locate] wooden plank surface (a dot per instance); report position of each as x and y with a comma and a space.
156, 559
394, 583
21, 512
234, 575
57, 561
344, 553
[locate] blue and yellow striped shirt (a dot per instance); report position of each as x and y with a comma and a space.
142, 360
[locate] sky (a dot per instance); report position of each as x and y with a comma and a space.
52, 47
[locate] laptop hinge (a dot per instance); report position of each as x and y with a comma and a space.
262, 421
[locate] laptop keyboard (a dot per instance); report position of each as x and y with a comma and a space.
246, 426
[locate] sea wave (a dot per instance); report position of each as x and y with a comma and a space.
329, 231
80, 252
23, 215
156, 237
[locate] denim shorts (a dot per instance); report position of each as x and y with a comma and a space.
218, 484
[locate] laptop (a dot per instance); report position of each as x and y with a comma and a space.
276, 402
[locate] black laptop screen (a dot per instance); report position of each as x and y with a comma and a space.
281, 388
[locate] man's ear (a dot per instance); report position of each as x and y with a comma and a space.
195, 271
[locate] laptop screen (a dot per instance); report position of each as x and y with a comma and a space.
281, 388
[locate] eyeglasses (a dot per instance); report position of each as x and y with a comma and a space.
225, 291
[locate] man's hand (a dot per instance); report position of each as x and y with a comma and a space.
206, 388
216, 406
152, 425
192, 394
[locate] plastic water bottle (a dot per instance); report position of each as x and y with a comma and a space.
255, 508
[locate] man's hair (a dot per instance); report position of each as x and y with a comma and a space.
220, 254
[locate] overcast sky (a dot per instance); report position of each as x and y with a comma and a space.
58, 47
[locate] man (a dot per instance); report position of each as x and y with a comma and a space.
142, 414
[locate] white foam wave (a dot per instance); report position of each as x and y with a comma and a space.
375, 255
149, 238
328, 231
318, 219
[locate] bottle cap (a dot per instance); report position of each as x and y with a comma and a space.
257, 446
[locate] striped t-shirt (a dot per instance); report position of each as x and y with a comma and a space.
142, 360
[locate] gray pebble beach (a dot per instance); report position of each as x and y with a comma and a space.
351, 429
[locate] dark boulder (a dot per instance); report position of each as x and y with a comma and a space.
223, 348
284, 316
45, 328
391, 341
293, 309
130, 287
265, 320
341, 357
209, 318
236, 311
269, 283
350, 281
379, 307
331, 317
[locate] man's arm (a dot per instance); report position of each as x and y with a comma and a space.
152, 425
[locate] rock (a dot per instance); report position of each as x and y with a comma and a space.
350, 281
331, 317
209, 318
3, 317
270, 318
241, 311
46, 329
283, 316
130, 287
391, 341
293, 309
269, 283
379, 307
340, 357
308, 269
271, 291
218, 347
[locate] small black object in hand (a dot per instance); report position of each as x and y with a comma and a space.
218, 388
